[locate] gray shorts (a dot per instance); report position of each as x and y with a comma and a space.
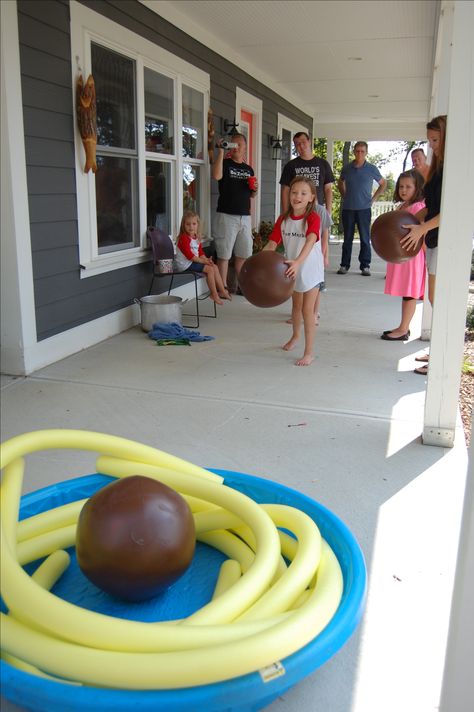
431, 259
232, 234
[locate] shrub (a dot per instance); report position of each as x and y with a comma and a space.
470, 319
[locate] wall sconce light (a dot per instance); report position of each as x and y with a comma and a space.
275, 143
230, 127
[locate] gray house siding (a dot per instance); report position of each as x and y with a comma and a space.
62, 299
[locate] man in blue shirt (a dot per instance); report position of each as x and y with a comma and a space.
356, 185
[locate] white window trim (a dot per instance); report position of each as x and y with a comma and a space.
87, 25
205, 215
250, 103
289, 125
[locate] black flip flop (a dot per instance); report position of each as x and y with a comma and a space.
389, 331
404, 337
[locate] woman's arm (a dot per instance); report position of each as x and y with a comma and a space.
417, 232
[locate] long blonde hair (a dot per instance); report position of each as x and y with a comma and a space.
437, 124
310, 206
190, 214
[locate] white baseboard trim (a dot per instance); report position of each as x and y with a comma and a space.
23, 362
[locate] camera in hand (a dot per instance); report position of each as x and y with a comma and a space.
227, 144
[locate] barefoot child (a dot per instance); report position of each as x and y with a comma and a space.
407, 280
299, 229
190, 256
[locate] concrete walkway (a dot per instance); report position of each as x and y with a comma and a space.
345, 431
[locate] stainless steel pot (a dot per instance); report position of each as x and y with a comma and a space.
159, 308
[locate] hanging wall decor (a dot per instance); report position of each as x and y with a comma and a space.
87, 119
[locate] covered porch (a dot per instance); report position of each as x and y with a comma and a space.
345, 431
348, 431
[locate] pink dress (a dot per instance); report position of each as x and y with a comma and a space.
408, 278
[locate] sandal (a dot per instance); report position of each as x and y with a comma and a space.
422, 370
424, 358
389, 331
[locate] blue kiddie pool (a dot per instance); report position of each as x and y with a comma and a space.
240, 694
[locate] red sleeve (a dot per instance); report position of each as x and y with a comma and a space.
184, 244
275, 235
313, 224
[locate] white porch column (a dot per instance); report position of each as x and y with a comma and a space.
18, 324
458, 681
439, 105
455, 239
330, 151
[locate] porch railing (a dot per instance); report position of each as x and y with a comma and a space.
380, 207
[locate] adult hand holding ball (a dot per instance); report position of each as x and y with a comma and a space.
263, 279
135, 537
386, 233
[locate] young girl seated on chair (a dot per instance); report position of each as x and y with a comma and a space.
190, 256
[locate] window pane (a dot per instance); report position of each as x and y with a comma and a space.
114, 77
286, 147
158, 112
158, 195
193, 124
116, 201
191, 187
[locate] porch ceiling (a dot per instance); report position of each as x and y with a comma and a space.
360, 68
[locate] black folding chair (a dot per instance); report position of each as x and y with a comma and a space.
164, 266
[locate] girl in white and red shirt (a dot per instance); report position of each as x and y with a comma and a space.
299, 230
190, 256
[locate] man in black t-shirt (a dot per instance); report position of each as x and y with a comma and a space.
232, 227
309, 166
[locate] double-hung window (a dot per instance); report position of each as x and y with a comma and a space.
151, 142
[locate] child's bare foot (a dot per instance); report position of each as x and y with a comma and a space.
305, 361
216, 299
289, 321
225, 295
290, 344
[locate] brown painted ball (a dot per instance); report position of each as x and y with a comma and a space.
386, 233
135, 537
263, 281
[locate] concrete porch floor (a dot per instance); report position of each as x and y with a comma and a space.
344, 431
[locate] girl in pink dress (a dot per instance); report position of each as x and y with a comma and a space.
407, 280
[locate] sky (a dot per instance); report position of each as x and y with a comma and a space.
396, 165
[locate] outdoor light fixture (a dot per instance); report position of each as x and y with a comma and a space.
230, 127
276, 146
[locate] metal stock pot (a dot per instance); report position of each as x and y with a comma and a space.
159, 308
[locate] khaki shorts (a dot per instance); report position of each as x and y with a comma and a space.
232, 234
431, 259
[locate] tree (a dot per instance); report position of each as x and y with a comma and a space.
342, 156
341, 153
405, 148
387, 195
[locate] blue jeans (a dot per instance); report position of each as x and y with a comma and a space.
361, 218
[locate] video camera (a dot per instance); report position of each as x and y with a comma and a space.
226, 144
